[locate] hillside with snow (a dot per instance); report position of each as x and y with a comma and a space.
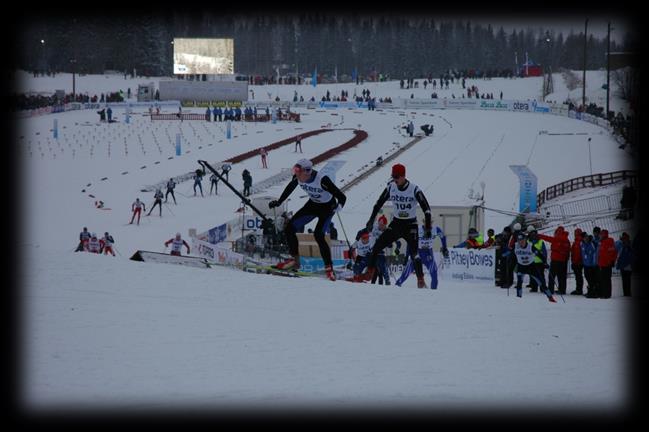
109, 332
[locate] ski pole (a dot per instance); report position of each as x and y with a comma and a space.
169, 208
343, 227
117, 250
349, 246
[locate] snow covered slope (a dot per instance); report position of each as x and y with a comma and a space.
108, 331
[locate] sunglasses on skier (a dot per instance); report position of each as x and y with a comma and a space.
298, 170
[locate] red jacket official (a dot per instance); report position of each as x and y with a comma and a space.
575, 250
606, 252
560, 249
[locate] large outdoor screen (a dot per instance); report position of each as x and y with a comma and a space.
203, 56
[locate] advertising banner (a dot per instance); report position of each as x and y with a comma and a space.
528, 186
460, 103
217, 234
468, 265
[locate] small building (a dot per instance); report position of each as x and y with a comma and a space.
530, 69
145, 92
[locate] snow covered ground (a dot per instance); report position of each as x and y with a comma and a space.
103, 331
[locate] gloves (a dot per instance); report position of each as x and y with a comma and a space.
337, 208
444, 252
273, 204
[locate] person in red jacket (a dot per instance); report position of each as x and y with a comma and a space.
559, 255
606, 257
575, 262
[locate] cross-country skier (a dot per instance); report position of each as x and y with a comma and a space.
171, 184
198, 178
176, 244
107, 243
137, 207
362, 249
225, 170
525, 254
84, 237
426, 255
382, 272
158, 202
325, 199
93, 244
404, 196
214, 184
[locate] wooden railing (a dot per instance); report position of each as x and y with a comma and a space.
583, 182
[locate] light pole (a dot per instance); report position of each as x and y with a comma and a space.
74, 70
583, 91
608, 68
590, 161
43, 57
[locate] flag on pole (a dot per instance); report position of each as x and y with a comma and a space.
314, 79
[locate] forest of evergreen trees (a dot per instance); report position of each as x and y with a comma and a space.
397, 45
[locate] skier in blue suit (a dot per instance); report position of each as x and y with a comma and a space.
426, 255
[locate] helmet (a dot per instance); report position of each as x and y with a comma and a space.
383, 220
94, 235
517, 226
530, 228
177, 235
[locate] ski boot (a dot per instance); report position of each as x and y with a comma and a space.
549, 293
367, 276
420, 282
329, 272
292, 263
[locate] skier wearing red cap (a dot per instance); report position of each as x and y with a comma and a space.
404, 196
325, 199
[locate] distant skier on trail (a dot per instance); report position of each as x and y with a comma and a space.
263, 154
325, 199
426, 255
198, 178
84, 237
176, 245
93, 245
214, 184
404, 196
171, 184
158, 202
137, 207
107, 243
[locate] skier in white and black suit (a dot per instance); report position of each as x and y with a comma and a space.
525, 254
404, 196
325, 199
